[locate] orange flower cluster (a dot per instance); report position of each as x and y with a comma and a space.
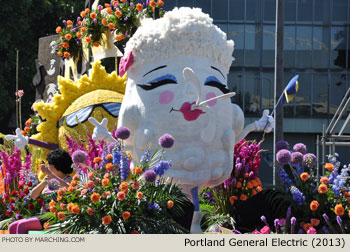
96, 159
109, 167
304, 176
75, 209
95, 197
170, 204
106, 220
339, 210
314, 205
126, 215
323, 188
119, 37
329, 167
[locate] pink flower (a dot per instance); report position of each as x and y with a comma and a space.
83, 192
256, 232
311, 230
265, 230
19, 93
90, 184
282, 222
125, 63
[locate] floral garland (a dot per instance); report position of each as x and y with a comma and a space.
119, 18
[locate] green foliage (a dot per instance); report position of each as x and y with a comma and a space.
26, 21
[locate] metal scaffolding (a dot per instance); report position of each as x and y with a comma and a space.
329, 136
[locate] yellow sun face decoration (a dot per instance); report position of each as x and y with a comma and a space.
99, 96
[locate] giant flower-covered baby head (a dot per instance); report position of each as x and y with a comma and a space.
174, 64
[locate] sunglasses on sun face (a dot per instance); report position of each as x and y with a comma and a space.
83, 114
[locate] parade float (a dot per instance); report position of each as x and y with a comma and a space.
172, 157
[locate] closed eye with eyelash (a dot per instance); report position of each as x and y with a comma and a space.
214, 82
163, 80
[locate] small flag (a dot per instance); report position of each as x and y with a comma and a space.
291, 90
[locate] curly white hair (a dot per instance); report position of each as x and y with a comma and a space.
182, 31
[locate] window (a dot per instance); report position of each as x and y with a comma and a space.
340, 9
289, 46
252, 93
319, 95
290, 10
288, 108
235, 84
236, 33
268, 91
236, 10
305, 10
252, 45
302, 99
253, 10
182, 3
337, 91
320, 47
169, 5
338, 47
322, 13
268, 59
303, 46
220, 10
205, 5
270, 10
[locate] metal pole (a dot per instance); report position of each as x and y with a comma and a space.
323, 148
17, 103
278, 79
318, 158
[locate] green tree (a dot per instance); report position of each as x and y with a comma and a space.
24, 22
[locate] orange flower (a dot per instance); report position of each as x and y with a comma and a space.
255, 183
23, 133
324, 180
126, 215
53, 210
105, 182
118, 13
93, 15
259, 188
152, 3
322, 188
109, 157
82, 14
160, 3
52, 203
315, 222
232, 199
95, 197
70, 189
121, 195
76, 177
69, 22
58, 29
91, 211
60, 53
61, 215
66, 54
109, 166
139, 7
62, 206
139, 195
135, 185
79, 23
69, 26
119, 37
83, 29
59, 198
90, 184
111, 26
96, 159
250, 185
124, 186
96, 44
349, 213
339, 210
26, 129
138, 170
87, 10
314, 205
73, 183
104, 21
78, 34
329, 167
243, 197
107, 5
304, 176
70, 206
254, 192
65, 45
306, 226
123, 1
170, 204
46, 225
76, 209
104, 195
109, 10
28, 122
91, 175
239, 185
106, 220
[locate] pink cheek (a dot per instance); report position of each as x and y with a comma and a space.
211, 95
166, 97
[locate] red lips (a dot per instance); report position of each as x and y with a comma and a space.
190, 115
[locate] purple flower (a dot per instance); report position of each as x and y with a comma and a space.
280, 145
289, 212
325, 217
131, 4
123, 133
297, 158
300, 147
292, 224
325, 230
282, 222
166, 141
78, 19
263, 219
297, 195
340, 223
126, 19
95, 20
283, 157
161, 167
235, 231
276, 224
309, 159
79, 156
124, 167
111, 146
150, 176
155, 206
64, 22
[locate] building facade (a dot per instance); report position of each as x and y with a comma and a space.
316, 47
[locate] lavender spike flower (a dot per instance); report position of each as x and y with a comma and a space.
292, 224
340, 223
263, 219
276, 224
325, 230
